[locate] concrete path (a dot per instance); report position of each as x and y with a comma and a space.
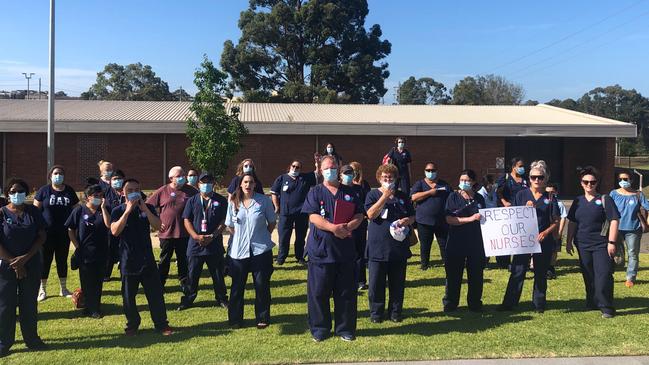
627, 360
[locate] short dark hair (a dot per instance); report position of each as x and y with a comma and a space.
515, 160
119, 172
626, 172
49, 174
470, 173
92, 189
396, 140
13, 181
552, 185
589, 170
129, 180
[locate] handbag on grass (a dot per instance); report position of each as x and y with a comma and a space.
78, 299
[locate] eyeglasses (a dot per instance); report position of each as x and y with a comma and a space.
589, 182
537, 177
430, 170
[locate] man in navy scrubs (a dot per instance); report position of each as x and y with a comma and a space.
332, 256
131, 222
204, 219
288, 193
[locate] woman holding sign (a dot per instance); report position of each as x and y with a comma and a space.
388, 248
464, 244
547, 214
593, 228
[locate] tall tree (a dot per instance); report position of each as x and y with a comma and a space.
487, 90
214, 132
130, 82
307, 51
422, 91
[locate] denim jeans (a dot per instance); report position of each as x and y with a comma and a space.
632, 240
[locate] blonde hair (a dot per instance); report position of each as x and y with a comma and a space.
103, 162
240, 166
541, 166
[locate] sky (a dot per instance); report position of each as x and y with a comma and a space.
553, 48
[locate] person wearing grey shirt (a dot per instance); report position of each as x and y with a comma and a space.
250, 219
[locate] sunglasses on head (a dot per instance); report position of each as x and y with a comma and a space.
589, 182
537, 177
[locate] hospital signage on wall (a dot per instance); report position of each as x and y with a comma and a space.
509, 231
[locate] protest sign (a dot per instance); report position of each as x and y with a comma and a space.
509, 231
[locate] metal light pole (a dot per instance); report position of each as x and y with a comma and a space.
51, 97
28, 77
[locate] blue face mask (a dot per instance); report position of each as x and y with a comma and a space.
431, 175
293, 173
624, 184
247, 169
464, 185
117, 183
401, 145
205, 187
17, 198
346, 179
57, 179
330, 175
180, 180
520, 171
134, 196
108, 174
192, 180
96, 202
330, 150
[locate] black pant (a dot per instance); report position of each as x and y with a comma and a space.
520, 265
261, 267
454, 267
503, 261
597, 269
323, 281
150, 280
113, 255
167, 248
426, 233
285, 228
360, 240
395, 273
215, 266
91, 276
22, 294
57, 244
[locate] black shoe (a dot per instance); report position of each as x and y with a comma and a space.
608, 315
424, 267
4, 352
182, 307
348, 338
222, 303
301, 262
539, 310
504, 308
449, 309
376, 320
279, 262
476, 309
37, 344
396, 318
317, 339
362, 286
235, 326
262, 325
96, 315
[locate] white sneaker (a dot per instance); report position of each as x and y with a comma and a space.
41, 295
65, 293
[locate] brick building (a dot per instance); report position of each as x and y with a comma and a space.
146, 138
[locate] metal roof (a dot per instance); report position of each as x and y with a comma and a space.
83, 116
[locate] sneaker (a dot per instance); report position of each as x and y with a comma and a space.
41, 295
167, 331
182, 307
608, 315
96, 315
279, 262
551, 275
376, 320
362, 286
262, 325
64, 292
301, 262
396, 318
348, 338
317, 339
222, 303
629, 283
424, 267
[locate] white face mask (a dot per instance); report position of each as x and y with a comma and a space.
387, 185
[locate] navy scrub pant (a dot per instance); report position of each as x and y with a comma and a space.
299, 222
57, 245
360, 241
395, 273
113, 256
22, 294
426, 233
323, 280
215, 266
520, 265
261, 267
454, 267
150, 280
167, 248
91, 276
597, 269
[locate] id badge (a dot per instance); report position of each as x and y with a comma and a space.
204, 225
384, 213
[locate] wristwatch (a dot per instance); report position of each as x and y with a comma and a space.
611, 242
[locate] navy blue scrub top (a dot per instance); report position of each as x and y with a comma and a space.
56, 205
547, 210
431, 211
236, 181
465, 238
113, 198
401, 161
92, 234
322, 246
135, 248
510, 187
589, 216
292, 192
19, 233
213, 210
380, 244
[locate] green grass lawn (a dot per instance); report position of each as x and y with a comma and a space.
565, 329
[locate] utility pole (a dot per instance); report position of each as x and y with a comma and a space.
181, 93
50, 98
28, 77
39, 88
